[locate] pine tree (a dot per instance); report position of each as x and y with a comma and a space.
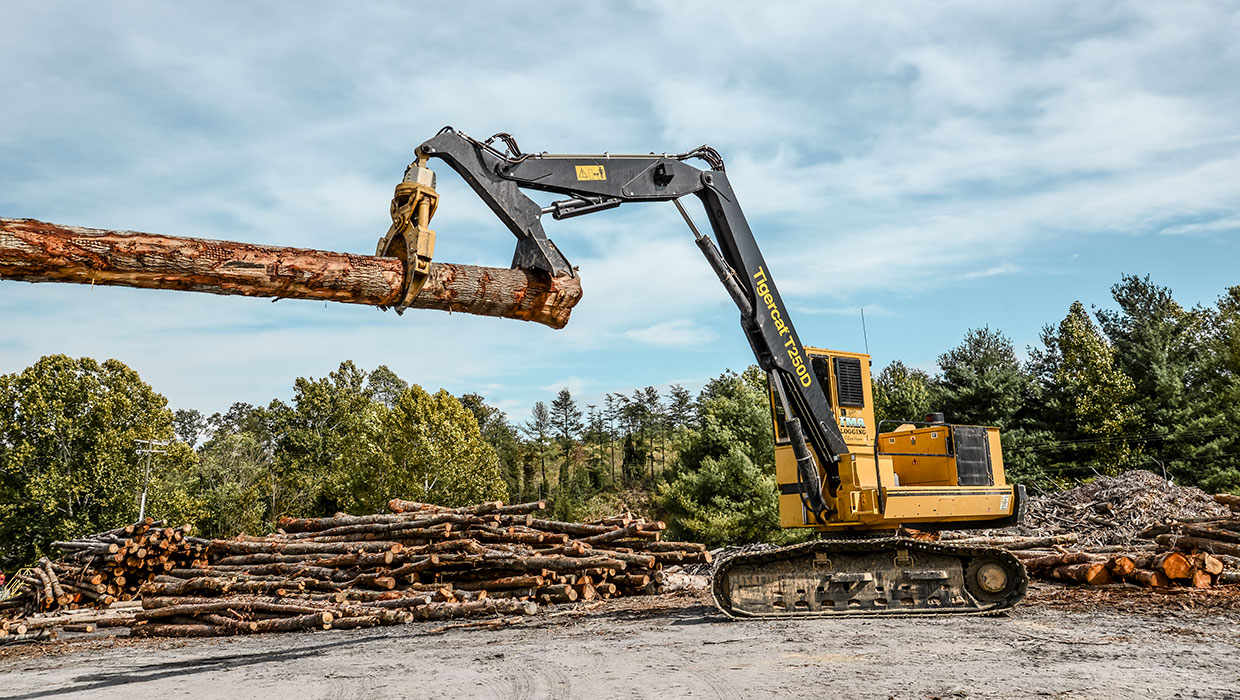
901, 393
1161, 347
567, 421
1093, 396
538, 430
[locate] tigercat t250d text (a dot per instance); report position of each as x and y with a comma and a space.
856, 482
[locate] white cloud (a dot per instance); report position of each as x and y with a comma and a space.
878, 152
1205, 227
1003, 269
678, 333
575, 385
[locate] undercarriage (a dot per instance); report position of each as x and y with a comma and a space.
868, 577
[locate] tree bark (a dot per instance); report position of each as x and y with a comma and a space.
1149, 579
1093, 574
1229, 500
37, 251
1199, 543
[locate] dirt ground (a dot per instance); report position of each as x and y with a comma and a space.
1061, 643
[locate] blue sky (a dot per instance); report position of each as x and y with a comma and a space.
943, 165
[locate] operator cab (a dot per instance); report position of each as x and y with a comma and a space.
916, 472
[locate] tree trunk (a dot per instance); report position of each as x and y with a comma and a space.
36, 251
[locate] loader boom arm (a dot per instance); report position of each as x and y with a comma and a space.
597, 182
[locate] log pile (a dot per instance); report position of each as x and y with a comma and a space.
1135, 529
418, 562
101, 569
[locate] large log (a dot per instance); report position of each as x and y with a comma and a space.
1229, 500
1173, 564
1199, 543
1092, 573
37, 251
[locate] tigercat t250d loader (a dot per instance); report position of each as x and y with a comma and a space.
855, 482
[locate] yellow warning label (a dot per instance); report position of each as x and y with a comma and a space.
591, 172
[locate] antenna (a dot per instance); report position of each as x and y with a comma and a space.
863, 333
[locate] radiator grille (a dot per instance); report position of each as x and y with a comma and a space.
848, 382
972, 456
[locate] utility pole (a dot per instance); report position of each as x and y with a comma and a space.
149, 449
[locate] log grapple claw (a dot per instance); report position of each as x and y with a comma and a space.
408, 238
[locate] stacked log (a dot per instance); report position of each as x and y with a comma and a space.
1230, 500
418, 562
1198, 554
101, 569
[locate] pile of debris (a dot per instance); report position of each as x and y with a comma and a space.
419, 562
1136, 528
1115, 510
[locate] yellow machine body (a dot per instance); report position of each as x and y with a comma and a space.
926, 476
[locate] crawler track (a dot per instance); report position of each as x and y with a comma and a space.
890, 576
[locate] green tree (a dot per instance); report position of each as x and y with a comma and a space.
731, 410
723, 488
597, 439
566, 419
1095, 395
384, 386
433, 451
68, 461
1163, 348
502, 436
189, 425
538, 430
901, 393
235, 469
1216, 415
679, 406
722, 501
327, 444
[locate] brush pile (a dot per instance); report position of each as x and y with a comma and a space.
1135, 528
419, 562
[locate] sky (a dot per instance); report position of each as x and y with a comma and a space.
941, 165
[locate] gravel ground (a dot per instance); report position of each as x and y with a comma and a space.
1062, 643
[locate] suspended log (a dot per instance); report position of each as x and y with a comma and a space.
37, 251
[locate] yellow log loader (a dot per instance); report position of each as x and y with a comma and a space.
858, 483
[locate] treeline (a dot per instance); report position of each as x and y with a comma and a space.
71, 463
1149, 384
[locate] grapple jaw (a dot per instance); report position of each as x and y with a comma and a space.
408, 238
